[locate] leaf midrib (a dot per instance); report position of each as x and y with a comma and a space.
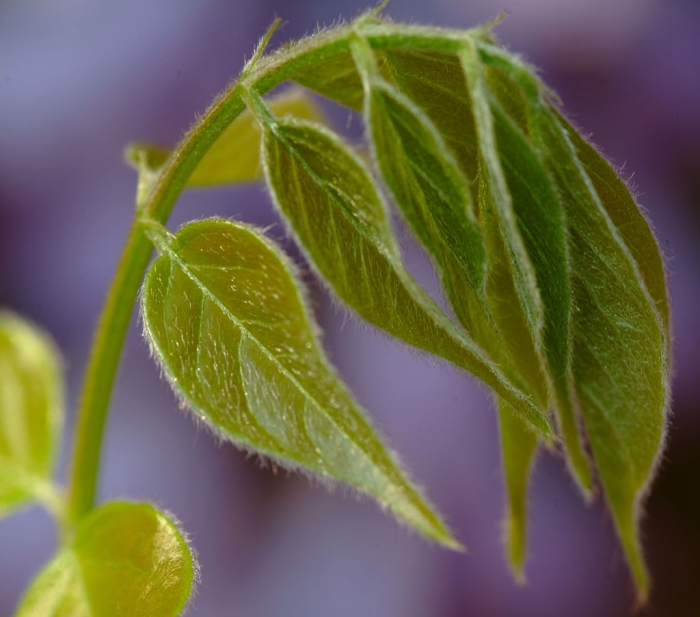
388, 249
246, 332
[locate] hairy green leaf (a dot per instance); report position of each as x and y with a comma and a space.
620, 346
315, 180
436, 83
126, 559
336, 78
432, 194
227, 320
519, 446
526, 202
31, 413
627, 217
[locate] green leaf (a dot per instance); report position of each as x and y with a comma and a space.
435, 82
631, 224
336, 78
227, 320
31, 413
432, 194
519, 447
620, 353
519, 355
233, 158
315, 180
126, 559
531, 218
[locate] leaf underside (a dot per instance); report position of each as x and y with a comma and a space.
31, 412
552, 273
126, 560
227, 320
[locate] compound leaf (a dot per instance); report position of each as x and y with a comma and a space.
126, 559
518, 450
227, 320
31, 413
314, 178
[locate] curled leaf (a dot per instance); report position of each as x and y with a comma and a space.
226, 318
126, 560
31, 413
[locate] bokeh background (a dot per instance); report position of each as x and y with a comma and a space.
79, 79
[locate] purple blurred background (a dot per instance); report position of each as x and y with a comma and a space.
80, 79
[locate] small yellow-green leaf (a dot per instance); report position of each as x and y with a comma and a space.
328, 197
227, 320
518, 449
31, 413
125, 560
234, 156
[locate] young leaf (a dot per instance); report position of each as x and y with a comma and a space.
227, 320
314, 178
620, 353
496, 182
540, 217
432, 194
518, 446
336, 78
234, 156
31, 413
126, 559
